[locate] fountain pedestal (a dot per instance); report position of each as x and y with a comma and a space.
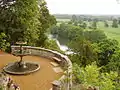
21, 67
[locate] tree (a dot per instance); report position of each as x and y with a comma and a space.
80, 21
67, 31
74, 31
63, 30
25, 21
75, 23
106, 24
94, 24
114, 63
74, 18
83, 51
46, 20
115, 23
3, 43
54, 29
91, 76
83, 25
20, 21
95, 36
70, 22
119, 21
105, 49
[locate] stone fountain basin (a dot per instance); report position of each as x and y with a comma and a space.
13, 68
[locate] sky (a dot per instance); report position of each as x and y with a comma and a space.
104, 7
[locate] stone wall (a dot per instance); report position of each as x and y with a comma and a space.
66, 80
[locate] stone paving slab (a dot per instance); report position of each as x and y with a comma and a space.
54, 64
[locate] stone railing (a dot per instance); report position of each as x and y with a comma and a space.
66, 80
6, 82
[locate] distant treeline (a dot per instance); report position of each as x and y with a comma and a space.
87, 17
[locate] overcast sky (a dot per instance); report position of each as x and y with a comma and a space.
83, 6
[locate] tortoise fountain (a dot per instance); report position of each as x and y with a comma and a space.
21, 67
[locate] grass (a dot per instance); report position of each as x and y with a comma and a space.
63, 20
59, 21
113, 33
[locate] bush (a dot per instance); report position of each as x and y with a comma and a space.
91, 76
3, 43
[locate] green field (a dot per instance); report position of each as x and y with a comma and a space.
113, 33
59, 21
63, 20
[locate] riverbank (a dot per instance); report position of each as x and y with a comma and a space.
61, 44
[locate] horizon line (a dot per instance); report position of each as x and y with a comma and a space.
83, 14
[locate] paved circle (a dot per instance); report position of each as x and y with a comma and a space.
40, 80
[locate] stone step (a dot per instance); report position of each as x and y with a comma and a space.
58, 69
57, 59
54, 64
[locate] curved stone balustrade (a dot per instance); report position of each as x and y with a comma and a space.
65, 61
6, 82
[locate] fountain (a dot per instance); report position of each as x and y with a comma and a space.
21, 67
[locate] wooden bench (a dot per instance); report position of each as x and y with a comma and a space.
56, 59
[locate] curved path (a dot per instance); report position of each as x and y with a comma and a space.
40, 80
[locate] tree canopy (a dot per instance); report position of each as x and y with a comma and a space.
26, 20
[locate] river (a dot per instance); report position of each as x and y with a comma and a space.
61, 44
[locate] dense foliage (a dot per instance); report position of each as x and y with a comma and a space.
26, 20
90, 44
3, 43
91, 76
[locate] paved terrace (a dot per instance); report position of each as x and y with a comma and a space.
40, 80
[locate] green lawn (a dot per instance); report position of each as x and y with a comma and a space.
113, 33
59, 21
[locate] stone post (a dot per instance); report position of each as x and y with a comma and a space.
56, 85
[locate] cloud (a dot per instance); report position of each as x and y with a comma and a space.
83, 6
